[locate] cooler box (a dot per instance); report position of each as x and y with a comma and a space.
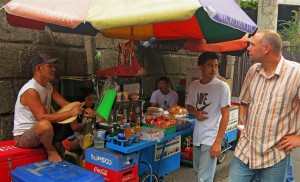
127, 175
111, 159
12, 157
47, 171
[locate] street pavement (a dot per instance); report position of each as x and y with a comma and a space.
186, 173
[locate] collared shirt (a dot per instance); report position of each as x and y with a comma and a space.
273, 112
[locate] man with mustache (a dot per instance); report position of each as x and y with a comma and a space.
32, 118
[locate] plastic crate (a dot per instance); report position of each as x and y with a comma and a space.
12, 157
187, 153
54, 171
126, 142
111, 159
126, 175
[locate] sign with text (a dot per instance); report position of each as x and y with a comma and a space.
172, 147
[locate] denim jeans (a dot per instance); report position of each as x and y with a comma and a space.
289, 175
239, 171
204, 165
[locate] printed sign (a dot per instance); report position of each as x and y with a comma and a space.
233, 118
172, 147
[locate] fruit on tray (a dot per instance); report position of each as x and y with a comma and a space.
161, 121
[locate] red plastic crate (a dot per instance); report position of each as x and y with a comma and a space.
135, 180
127, 175
187, 153
12, 157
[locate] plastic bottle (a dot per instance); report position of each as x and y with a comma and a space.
137, 131
128, 133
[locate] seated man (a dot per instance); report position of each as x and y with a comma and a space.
164, 97
32, 119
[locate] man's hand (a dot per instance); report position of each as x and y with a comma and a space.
200, 115
215, 149
88, 112
241, 122
288, 143
76, 110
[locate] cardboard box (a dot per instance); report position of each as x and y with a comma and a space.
12, 157
53, 172
109, 175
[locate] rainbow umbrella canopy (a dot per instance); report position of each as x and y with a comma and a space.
212, 20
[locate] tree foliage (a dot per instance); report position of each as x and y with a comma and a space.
249, 5
291, 31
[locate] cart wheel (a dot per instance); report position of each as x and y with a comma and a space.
221, 157
146, 177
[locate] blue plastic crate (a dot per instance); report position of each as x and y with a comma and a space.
126, 142
47, 171
111, 159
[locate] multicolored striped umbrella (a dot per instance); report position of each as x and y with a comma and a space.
212, 20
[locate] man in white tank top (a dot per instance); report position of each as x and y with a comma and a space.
32, 119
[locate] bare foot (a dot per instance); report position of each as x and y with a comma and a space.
53, 156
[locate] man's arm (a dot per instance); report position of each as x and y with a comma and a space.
243, 108
200, 115
153, 100
154, 104
288, 143
31, 99
216, 147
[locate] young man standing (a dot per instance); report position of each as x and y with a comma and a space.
209, 100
